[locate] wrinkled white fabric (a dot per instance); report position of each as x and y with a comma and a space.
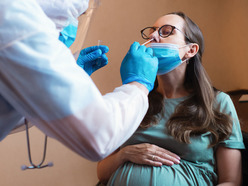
39, 79
64, 12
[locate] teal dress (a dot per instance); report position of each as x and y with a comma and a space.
197, 166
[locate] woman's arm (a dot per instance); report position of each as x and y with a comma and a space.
229, 166
146, 154
107, 166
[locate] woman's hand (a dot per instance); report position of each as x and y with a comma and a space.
145, 153
148, 154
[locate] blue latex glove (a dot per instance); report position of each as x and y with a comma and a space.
68, 35
93, 58
139, 65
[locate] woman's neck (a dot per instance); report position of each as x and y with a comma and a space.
172, 86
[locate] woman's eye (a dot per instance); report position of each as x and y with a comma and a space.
165, 32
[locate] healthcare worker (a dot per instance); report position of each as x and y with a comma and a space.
40, 80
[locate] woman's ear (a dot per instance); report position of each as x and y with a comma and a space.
193, 49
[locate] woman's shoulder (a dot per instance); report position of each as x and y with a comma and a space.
224, 101
222, 96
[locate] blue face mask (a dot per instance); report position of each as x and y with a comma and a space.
68, 35
168, 56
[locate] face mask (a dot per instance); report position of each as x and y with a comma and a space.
68, 35
168, 56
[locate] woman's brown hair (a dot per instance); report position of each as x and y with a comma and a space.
197, 114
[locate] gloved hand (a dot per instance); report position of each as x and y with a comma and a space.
139, 65
93, 58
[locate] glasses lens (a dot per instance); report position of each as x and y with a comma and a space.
147, 32
165, 30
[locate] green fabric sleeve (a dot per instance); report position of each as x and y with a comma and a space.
235, 140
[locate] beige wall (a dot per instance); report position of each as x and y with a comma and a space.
224, 24
117, 23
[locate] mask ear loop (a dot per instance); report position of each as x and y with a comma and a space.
187, 59
185, 45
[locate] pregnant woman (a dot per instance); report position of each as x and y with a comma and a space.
191, 134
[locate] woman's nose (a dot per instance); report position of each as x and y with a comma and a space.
155, 36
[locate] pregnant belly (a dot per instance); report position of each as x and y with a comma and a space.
131, 174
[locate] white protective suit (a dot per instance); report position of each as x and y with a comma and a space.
40, 80
64, 12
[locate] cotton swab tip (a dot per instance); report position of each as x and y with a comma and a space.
148, 41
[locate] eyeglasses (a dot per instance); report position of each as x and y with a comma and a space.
164, 31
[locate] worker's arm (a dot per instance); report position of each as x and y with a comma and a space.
41, 81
